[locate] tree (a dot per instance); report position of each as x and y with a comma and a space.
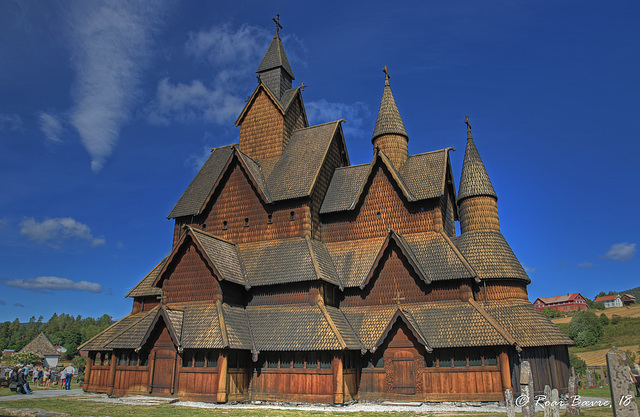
585, 329
631, 358
604, 319
23, 358
79, 362
578, 364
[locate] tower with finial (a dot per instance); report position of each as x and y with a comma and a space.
389, 135
477, 200
274, 70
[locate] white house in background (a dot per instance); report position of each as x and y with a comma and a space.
42, 347
610, 300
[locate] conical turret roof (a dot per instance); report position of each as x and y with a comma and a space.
474, 180
275, 57
389, 120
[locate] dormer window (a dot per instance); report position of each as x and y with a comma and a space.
246, 222
225, 225
270, 219
292, 215
204, 227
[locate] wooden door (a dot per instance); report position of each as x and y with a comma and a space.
163, 368
404, 379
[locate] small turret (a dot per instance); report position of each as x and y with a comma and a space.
477, 200
274, 70
389, 134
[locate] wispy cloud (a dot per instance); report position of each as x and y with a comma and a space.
529, 270
112, 45
18, 305
53, 231
45, 284
586, 265
194, 101
355, 114
621, 252
10, 122
233, 56
50, 126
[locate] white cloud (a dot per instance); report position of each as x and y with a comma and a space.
112, 44
355, 114
621, 252
529, 270
223, 45
41, 284
10, 122
187, 102
50, 126
56, 230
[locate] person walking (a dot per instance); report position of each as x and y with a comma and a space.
63, 378
46, 379
23, 383
69, 370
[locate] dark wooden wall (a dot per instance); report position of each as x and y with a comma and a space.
261, 131
190, 278
549, 366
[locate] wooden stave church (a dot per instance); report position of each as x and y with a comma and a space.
295, 276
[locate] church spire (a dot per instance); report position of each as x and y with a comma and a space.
389, 134
476, 197
274, 69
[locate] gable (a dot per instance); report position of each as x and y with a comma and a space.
261, 126
189, 277
382, 206
394, 274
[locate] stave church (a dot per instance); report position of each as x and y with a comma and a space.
296, 276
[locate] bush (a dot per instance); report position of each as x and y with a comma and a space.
578, 364
631, 358
550, 313
585, 329
615, 319
604, 319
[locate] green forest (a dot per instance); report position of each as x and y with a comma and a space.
61, 330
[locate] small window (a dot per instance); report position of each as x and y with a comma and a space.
246, 222
232, 359
292, 215
285, 360
199, 359
474, 358
272, 360
430, 360
490, 358
187, 358
204, 227
312, 360
378, 214
225, 225
325, 360
144, 358
298, 360
133, 359
270, 218
459, 359
212, 359
122, 360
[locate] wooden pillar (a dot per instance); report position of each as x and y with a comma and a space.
505, 372
223, 395
87, 371
552, 365
173, 374
338, 378
152, 361
112, 374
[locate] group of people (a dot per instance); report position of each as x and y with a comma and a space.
19, 378
42, 375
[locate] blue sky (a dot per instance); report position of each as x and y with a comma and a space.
107, 110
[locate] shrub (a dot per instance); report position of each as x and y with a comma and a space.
585, 329
578, 364
604, 319
615, 319
550, 313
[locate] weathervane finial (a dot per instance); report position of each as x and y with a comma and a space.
278, 25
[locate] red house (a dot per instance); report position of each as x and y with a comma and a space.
567, 302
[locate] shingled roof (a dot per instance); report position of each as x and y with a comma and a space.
490, 255
145, 287
41, 346
474, 180
389, 120
275, 57
293, 175
422, 177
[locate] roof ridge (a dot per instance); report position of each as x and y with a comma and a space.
332, 325
459, 254
492, 321
222, 324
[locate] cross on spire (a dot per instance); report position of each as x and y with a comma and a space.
162, 298
466, 120
386, 75
278, 25
398, 299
